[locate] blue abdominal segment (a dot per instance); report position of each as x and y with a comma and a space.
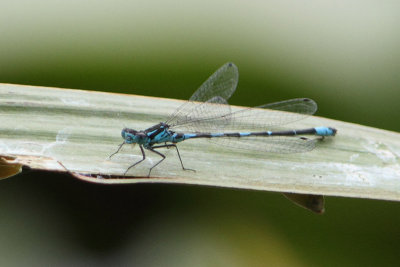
325, 131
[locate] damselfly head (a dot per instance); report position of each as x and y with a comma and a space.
128, 135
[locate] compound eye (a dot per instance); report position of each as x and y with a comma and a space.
129, 138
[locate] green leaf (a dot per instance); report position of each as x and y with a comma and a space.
43, 127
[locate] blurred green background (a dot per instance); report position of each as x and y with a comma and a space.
343, 54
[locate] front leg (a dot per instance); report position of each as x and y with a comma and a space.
119, 148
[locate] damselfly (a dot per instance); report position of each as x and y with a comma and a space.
208, 115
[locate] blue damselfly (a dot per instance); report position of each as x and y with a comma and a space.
208, 115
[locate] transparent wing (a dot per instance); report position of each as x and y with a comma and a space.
274, 144
222, 83
208, 111
217, 89
215, 116
210, 116
262, 118
271, 115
